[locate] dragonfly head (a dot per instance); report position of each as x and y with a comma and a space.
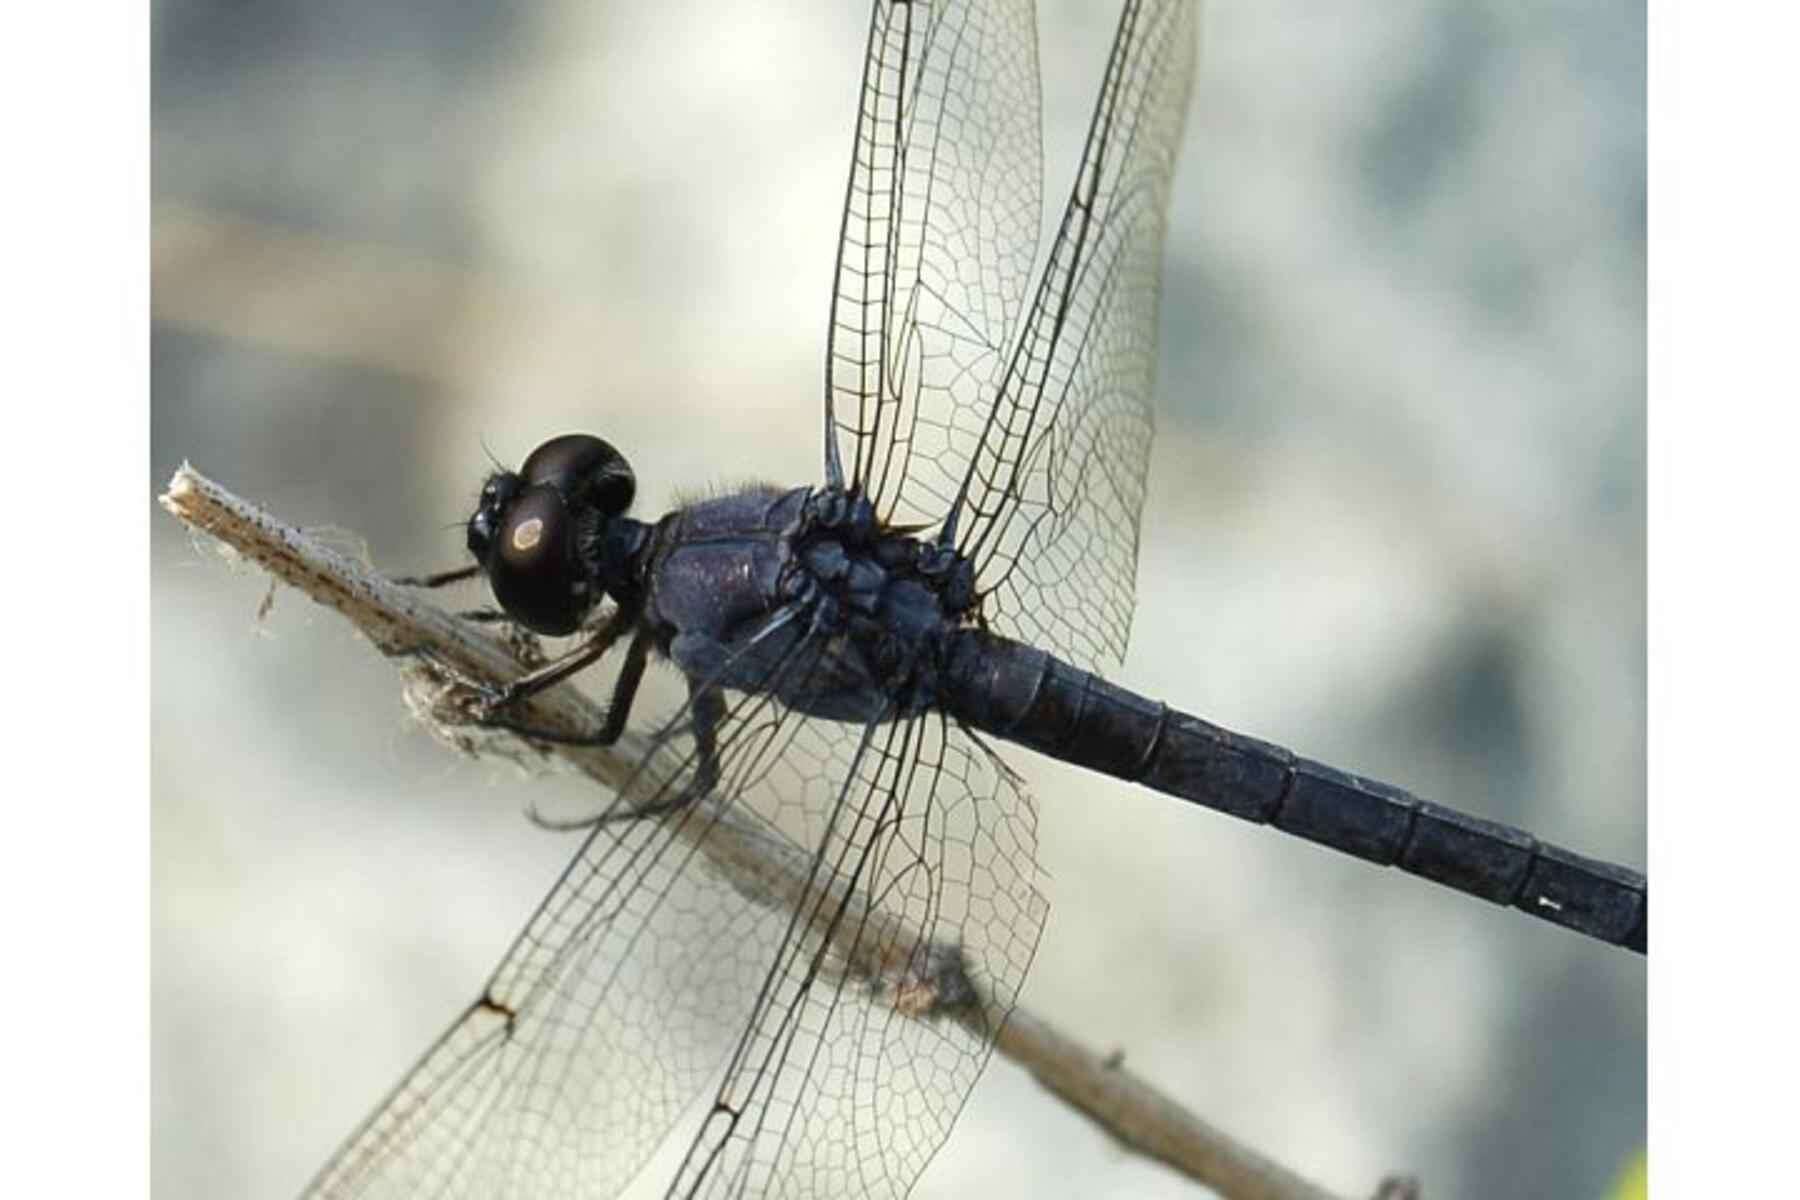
541, 534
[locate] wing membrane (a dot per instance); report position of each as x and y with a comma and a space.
1054, 493
905, 952
940, 231
1027, 441
811, 905
612, 1008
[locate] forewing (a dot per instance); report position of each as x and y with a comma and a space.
844, 921
616, 1003
939, 234
1053, 493
910, 938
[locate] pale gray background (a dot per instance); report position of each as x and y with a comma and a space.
1396, 521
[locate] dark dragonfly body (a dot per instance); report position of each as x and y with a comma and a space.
964, 573
738, 582
732, 585
1025, 695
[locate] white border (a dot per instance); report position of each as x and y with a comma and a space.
74, 107
1724, 837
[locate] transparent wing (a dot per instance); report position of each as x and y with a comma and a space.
940, 230
609, 1013
657, 953
905, 950
1030, 441
1055, 490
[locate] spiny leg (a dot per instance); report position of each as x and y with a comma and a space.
437, 579
706, 707
625, 689
707, 710
440, 579
483, 616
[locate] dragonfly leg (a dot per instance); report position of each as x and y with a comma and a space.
483, 616
631, 673
708, 711
437, 579
707, 706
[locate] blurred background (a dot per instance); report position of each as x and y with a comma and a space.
1396, 521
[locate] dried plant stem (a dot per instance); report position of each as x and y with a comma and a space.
404, 625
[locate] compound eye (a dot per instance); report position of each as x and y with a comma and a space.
531, 564
585, 470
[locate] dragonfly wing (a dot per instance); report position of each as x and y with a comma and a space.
613, 1007
1053, 495
1031, 437
905, 951
939, 234
861, 897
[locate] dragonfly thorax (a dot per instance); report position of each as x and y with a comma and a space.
866, 567
804, 594
886, 595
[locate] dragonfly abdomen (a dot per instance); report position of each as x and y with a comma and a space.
1025, 695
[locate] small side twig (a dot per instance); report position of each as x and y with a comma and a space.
404, 625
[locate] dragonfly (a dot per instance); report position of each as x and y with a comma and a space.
854, 653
